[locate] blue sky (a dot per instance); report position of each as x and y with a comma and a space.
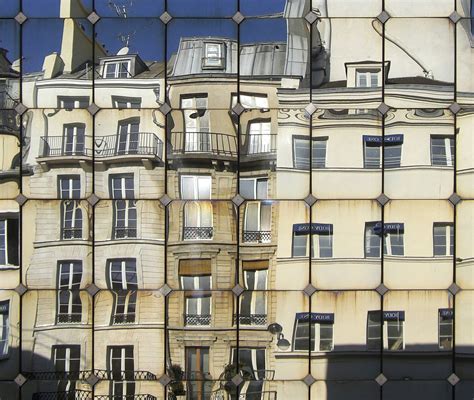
42, 32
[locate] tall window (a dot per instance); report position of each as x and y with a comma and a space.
372, 151
4, 327
196, 122
445, 322
69, 299
252, 361
125, 223
374, 330
124, 283
195, 187
197, 214
258, 222
69, 186
197, 373
121, 368
259, 137
214, 56
322, 236
393, 330
128, 136
254, 188
249, 100
121, 186
117, 69
443, 239
301, 149
74, 139
195, 276
392, 150
368, 78
71, 220
253, 305
373, 242
393, 239
313, 331
9, 240
67, 360
442, 150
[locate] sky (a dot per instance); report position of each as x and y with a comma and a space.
43, 30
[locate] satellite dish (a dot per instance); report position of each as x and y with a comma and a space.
123, 51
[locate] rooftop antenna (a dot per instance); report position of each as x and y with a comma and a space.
121, 8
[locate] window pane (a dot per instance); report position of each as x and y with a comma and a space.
299, 245
392, 156
247, 188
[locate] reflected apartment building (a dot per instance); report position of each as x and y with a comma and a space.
272, 220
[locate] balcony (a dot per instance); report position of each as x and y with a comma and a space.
198, 233
257, 236
251, 319
143, 147
221, 394
58, 375
124, 233
121, 319
258, 148
56, 150
71, 233
197, 319
69, 319
105, 374
202, 146
125, 397
71, 395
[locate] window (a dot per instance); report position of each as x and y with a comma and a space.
393, 239
372, 151
258, 222
374, 330
373, 240
198, 220
4, 327
214, 56
199, 386
253, 305
260, 138
392, 151
445, 322
67, 360
69, 299
442, 150
126, 102
71, 220
393, 330
121, 186
121, 368
197, 136
117, 69
254, 188
74, 139
128, 137
125, 223
313, 331
70, 102
197, 187
9, 241
123, 282
195, 277
321, 234
69, 186
443, 239
250, 100
253, 366
368, 78
301, 156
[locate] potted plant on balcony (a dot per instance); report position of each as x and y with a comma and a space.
176, 386
230, 371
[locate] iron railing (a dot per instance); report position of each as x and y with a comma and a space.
119, 319
198, 232
217, 144
122, 233
260, 144
58, 146
140, 143
257, 236
72, 233
106, 374
251, 319
221, 394
58, 375
197, 319
70, 395
68, 318
125, 397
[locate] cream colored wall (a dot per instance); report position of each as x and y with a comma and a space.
9, 148
104, 89
465, 159
45, 93
9, 278
465, 244
9, 366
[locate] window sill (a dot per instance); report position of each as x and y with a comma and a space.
9, 267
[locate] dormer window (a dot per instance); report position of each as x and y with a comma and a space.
117, 69
213, 56
368, 78
366, 74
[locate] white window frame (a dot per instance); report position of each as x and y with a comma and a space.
368, 74
215, 61
255, 182
117, 72
317, 336
447, 235
128, 144
387, 238
442, 322
448, 154
123, 369
75, 135
255, 291
377, 325
128, 101
385, 335
5, 330
304, 163
195, 182
4, 240
366, 158
259, 221
122, 187
316, 248
76, 208
249, 101
199, 299
69, 287
129, 205
123, 271
259, 137
130, 299
70, 191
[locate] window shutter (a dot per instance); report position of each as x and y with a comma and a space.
255, 265
195, 267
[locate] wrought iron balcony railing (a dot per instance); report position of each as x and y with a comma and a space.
106, 374
59, 146
68, 318
72, 233
125, 397
198, 232
119, 319
122, 233
140, 144
260, 144
58, 375
197, 319
221, 394
70, 395
203, 143
251, 319
257, 236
